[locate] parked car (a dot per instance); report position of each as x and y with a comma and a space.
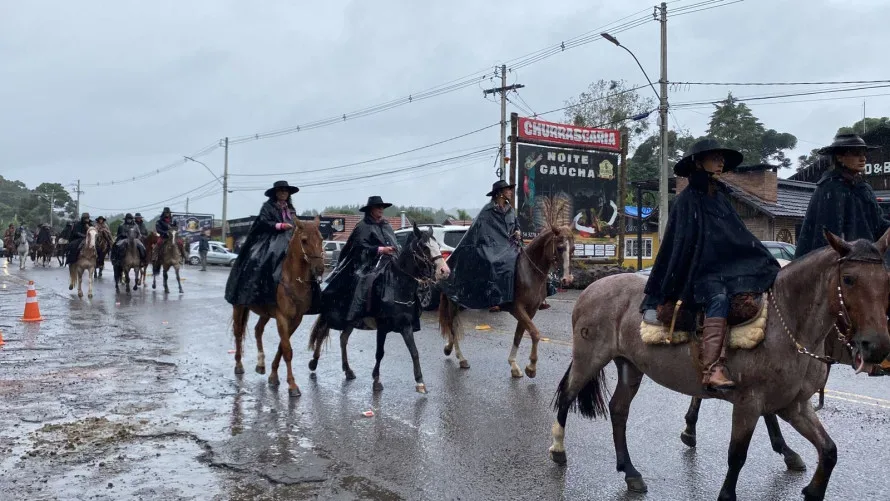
780, 250
218, 254
332, 250
448, 238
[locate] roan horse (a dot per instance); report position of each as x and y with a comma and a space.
130, 260
168, 256
552, 246
303, 264
22, 248
86, 261
779, 376
419, 261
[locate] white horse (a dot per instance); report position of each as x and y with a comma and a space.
22, 248
86, 261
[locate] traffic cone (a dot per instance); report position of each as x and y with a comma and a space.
32, 309
1, 338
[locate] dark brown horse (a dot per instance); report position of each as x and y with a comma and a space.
551, 247
303, 264
104, 241
844, 282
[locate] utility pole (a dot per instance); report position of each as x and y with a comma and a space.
663, 118
503, 89
186, 206
78, 199
225, 190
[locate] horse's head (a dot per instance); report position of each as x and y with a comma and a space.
423, 245
311, 244
90, 240
862, 287
564, 245
132, 234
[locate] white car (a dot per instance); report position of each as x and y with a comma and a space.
218, 254
332, 250
448, 237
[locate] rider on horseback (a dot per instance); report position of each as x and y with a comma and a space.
9, 236
78, 233
140, 224
707, 255
257, 270
121, 241
348, 288
162, 227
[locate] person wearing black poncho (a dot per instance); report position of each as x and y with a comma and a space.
843, 202
346, 293
257, 270
708, 255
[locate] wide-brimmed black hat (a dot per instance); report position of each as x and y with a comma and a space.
498, 186
128, 216
101, 217
281, 185
731, 158
846, 142
138, 215
85, 215
375, 201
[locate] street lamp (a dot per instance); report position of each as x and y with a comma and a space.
205, 166
662, 114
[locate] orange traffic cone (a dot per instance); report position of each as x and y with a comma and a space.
32, 309
1, 338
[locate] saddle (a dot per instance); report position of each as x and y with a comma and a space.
747, 321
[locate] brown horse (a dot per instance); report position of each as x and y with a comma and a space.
552, 246
843, 283
86, 261
104, 241
303, 264
169, 256
43, 253
130, 260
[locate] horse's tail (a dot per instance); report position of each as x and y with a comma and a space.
449, 324
320, 332
590, 401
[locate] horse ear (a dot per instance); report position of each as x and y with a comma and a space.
836, 242
317, 219
883, 243
417, 232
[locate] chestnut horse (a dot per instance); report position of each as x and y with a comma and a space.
303, 264
86, 261
843, 283
555, 245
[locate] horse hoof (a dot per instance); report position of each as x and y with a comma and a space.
273, 380
70, 287
349, 374
90, 296
260, 369
688, 439
181, 292
294, 392
378, 386
239, 369
531, 372
154, 286
420, 388
636, 484
447, 351
464, 364
558, 457
795, 463
515, 372
313, 364
809, 496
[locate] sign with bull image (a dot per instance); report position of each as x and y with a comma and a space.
573, 187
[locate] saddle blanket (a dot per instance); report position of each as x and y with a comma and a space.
741, 337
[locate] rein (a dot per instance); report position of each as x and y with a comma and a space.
420, 261
843, 316
553, 260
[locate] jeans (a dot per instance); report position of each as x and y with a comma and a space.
203, 255
717, 306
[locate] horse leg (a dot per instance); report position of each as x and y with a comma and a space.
524, 323
629, 379
793, 460
90, 292
515, 371
464, 364
344, 340
688, 435
166, 288
154, 276
381, 340
80, 281
240, 314
286, 328
178, 282
583, 380
803, 418
258, 333
408, 336
72, 278
744, 420
822, 389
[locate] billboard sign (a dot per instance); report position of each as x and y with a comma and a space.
192, 225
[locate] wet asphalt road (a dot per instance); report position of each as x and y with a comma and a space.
135, 398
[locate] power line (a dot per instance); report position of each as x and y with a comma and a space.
200, 153
777, 96
741, 84
683, 13
162, 202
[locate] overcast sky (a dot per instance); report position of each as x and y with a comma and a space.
102, 91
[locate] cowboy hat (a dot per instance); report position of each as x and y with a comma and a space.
498, 186
375, 201
101, 217
731, 157
128, 216
281, 185
138, 215
846, 142
85, 215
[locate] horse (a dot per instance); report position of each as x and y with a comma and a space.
420, 261
44, 248
303, 265
148, 241
9, 248
168, 256
86, 261
104, 242
22, 248
554, 245
843, 283
130, 260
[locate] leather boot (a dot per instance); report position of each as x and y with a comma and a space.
713, 355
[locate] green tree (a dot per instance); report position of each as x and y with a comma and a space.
309, 212
341, 209
865, 125
610, 103
463, 215
645, 163
735, 126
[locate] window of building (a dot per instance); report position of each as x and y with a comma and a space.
630, 248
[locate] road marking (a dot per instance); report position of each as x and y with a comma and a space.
828, 394
856, 395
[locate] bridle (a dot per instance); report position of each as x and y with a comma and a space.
307, 258
553, 260
846, 330
420, 261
